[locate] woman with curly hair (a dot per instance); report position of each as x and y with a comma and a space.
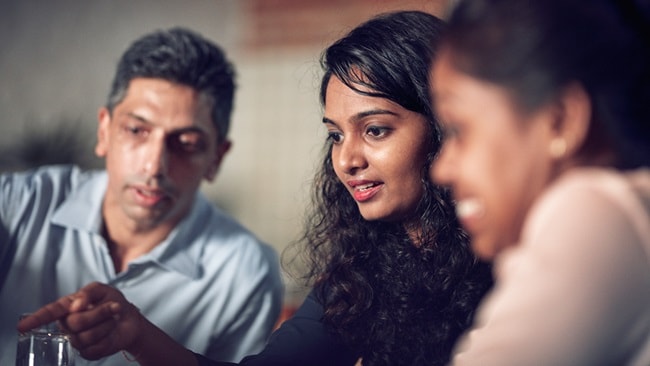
394, 271
394, 279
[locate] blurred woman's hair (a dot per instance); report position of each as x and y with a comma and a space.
535, 48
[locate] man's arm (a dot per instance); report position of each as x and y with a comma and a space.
101, 322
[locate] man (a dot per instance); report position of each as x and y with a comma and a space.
141, 226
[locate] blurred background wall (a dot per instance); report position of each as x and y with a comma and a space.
57, 59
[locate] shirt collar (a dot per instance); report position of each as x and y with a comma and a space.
181, 250
82, 211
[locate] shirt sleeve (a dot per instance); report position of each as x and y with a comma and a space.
17, 190
575, 292
7, 249
301, 340
255, 312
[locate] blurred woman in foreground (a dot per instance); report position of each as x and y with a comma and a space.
545, 105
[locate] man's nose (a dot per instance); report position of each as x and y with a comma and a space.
156, 157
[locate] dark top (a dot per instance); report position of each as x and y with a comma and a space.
301, 340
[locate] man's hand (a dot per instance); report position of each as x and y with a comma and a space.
98, 318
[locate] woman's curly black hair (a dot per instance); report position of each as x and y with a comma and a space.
394, 300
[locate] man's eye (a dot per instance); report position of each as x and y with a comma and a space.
336, 137
186, 143
135, 130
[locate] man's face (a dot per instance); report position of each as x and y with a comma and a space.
159, 143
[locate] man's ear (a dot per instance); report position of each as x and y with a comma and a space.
573, 119
103, 125
221, 150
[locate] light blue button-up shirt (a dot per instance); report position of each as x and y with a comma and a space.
211, 284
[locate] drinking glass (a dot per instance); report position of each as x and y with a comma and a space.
44, 346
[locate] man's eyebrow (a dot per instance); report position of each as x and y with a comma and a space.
138, 117
361, 115
182, 130
194, 129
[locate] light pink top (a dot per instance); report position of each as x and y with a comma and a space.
576, 290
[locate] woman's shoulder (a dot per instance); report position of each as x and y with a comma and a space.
607, 179
628, 191
591, 203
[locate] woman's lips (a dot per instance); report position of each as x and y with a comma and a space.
366, 190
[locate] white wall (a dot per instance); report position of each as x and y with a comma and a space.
57, 59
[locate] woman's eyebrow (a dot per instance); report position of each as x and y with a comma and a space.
373, 112
361, 115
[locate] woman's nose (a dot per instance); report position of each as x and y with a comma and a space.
349, 156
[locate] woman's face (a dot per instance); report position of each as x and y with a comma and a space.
378, 151
495, 157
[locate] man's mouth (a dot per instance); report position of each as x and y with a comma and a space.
149, 197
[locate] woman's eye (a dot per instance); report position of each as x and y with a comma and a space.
450, 131
375, 131
336, 137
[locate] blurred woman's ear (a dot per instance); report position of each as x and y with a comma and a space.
573, 121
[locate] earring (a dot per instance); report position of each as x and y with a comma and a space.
557, 148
